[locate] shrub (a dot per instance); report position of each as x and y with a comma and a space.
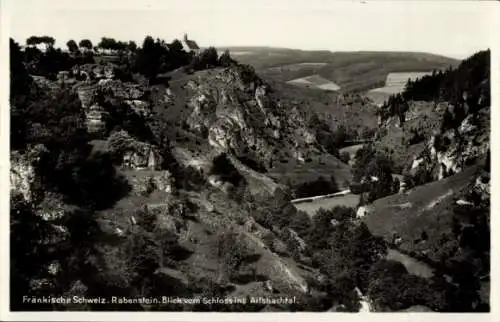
190, 178
318, 187
207, 59
251, 163
371, 163
232, 250
345, 157
225, 169
225, 59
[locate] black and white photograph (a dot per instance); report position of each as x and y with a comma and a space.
247, 156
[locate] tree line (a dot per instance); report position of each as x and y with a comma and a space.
466, 84
154, 57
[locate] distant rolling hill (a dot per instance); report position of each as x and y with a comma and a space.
351, 71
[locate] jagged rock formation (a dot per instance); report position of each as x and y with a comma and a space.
237, 111
103, 86
450, 152
134, 154
94, 71
145, 182
23, 176
96, 118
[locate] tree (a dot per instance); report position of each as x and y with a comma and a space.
72, 46
38, 40
86, 43
149, 57
112, 44
223, 167
33, 41
345, 157
28, 232
132, 46
207, 59
232, 251
225, 59
320, 186
48, 41
375, 170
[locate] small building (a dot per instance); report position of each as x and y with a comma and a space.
190, 45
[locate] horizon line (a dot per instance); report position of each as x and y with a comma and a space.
402, 51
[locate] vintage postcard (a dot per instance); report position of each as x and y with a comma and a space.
264, 157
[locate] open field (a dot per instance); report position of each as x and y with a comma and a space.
315, 81
395, 82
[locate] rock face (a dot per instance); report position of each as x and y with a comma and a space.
87, 94
23, 176
96, 118
133, 153
94, 71
452, 151
142, 156
237, 112
101, 85
144, 182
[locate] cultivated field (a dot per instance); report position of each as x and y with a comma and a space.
395, 82
315, 81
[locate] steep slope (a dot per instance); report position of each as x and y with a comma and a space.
233, 110
171, 226
440, 123
445, 224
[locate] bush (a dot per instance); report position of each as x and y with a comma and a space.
318, 187
232, 250
190, 178
225, 59
345, 157
369, 164
222, 167
392, 288
92, 183
251, 163
207, 59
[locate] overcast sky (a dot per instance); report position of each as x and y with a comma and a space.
451, 28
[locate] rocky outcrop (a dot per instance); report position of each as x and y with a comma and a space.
96, 118
134, 154
239, 113
103, 87
452, 151
119, 89
145, 182
87, 94
139, 107
23, 175
94, 71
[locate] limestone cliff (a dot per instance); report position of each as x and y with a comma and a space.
238, 112
453, 150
